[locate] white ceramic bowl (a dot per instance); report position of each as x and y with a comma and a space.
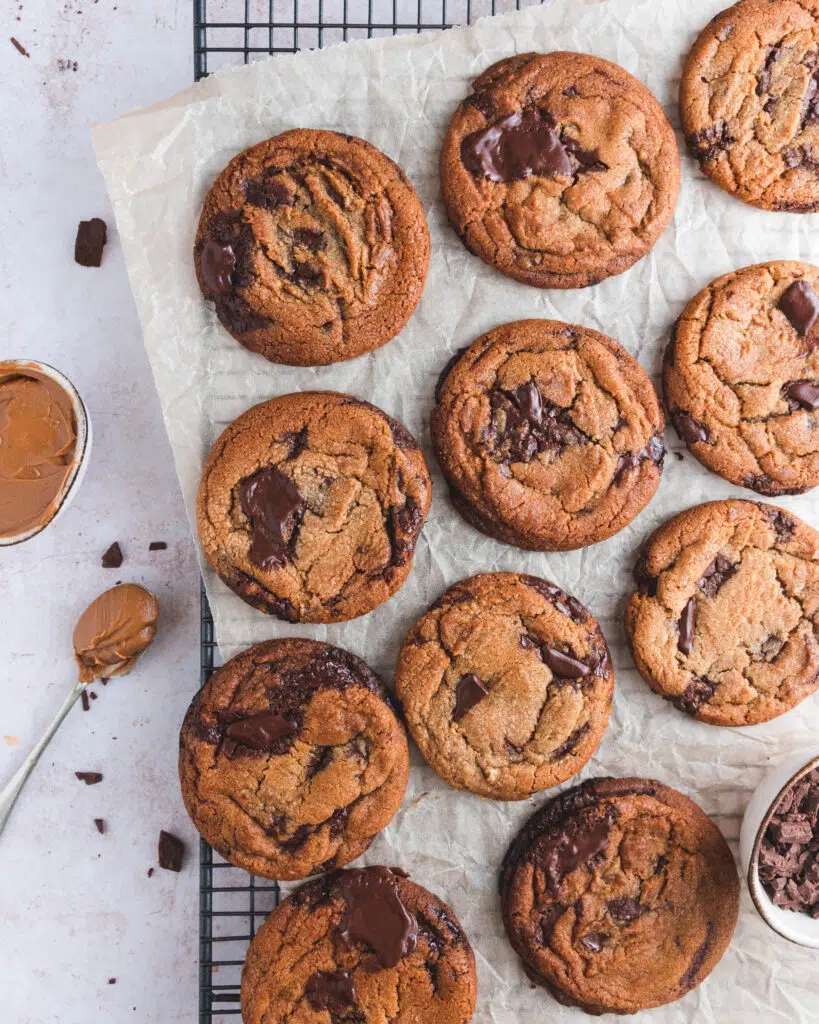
799, 928
83, 448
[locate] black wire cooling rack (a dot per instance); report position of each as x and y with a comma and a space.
225, 33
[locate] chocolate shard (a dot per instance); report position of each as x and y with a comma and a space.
469, 692
375, 915
717, 573
91, 238
157, 545
686, 627
112, 559
100, 823
171, 851
800, 304
89, 778
564, 665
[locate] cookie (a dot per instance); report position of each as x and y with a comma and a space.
506, 685
725, 619
749, 103
364, 946
313, 247
559, 169
619, 895
741, 377
310, 506
291, 759
550, 436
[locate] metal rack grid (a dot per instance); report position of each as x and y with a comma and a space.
226, 33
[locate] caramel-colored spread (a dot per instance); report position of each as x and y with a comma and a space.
114, 630
38, 440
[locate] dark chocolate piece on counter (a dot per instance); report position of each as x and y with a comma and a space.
150, 872
91, 238
112, 559
272, 503
469, 692
112, 981
331, 990
800, 304
84, 700
171, 851
100, 823
18, 46
157, 545
89, 778
686, 626
375, 915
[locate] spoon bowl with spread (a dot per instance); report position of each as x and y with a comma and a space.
45, 443
110, 637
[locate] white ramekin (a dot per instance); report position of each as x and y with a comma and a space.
799, 928
82, 450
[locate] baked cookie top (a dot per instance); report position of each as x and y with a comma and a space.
364, 946
310, 506
559, 169
741, 377
619, 895
506, 684
750, 106
313, 246
725, 618
549, 435
291, 759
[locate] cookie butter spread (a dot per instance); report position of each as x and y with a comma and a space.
114, 630
38, 440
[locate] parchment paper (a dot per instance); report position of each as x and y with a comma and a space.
400, 93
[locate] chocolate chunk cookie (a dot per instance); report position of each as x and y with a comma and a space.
313, 247
364, 946
749, 102
310, 506
550, 436
560, 169
619, 895
291, 759
741, 377
506, 685
725, 618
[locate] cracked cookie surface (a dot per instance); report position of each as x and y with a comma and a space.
619, 895
291, 759
741, 377
559, 169
506, 684
549, 435
749, 103
313, 246
365, 946
725, 620
310, 506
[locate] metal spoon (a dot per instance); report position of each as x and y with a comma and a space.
111, 636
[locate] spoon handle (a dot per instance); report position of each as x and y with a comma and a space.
10, 792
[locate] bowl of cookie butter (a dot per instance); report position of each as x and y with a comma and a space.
45, 442
779, 848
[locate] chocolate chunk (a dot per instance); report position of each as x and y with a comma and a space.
19, 47
810, 101
469, 692
624, 909
654, 452
157, 545
764, 81
697, 693
150, 872
84, 700
792, 829
272, 503
800, 304
218, 264
522, 425
566, 850
566, 605
375, 915
91, 238
594, 941
100, 823
331, 990
706, 145
686, 626
268, 194
783, 525
564, 665
258, 732
89, 778
646, 583
171, 852
516, 147
715, 575
312, 240
689, 429
548, 920
529, 402
112, 559
802, 393
112, 981
92, 695
570, 743
697, 960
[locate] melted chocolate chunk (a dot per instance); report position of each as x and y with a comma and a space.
707, 144
594, 941
217, 263
331, 990
570, 743
715, 575
312, 240
803, 394
568, 849
697, 960
654, 452
522, 425
171, 852
272, 503
564, 665
689, 429
783, 525
697, 693
268, 193
112, 559
91, 238
469, 692
566, 605
686, 627
624, 909
375, 915
89, 778
259, 732
516, 147
764, 81
800, 304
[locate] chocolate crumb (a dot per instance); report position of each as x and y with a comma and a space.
92, 695
91, 238
112, 559
157, 545
89, 778
150, 872
84, 700
100, 823
171, 852
18, 46
112, 981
